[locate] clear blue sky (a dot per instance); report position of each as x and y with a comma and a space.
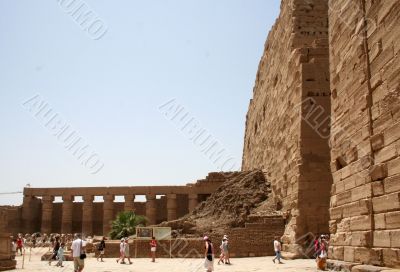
204, 54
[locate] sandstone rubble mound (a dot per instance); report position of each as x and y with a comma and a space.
228, 207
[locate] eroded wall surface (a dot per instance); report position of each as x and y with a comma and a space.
287, 125
365, 78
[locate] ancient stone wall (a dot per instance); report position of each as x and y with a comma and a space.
7, 261
365, 78
39, 212
287, 126
256, 239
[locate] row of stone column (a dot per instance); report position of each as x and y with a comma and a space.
108, 211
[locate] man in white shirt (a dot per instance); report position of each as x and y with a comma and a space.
77, 248
277, 249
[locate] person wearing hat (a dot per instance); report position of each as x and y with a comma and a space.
225, 246
224, 257
121, 251
209, 254
126, 250
321, 259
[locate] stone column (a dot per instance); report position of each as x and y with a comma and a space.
193, 201
27, 215
151, 211
108, 216
47, 214
87, 215
66, 221
171, 207
129, 203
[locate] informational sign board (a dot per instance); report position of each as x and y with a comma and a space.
162, 233
144, 233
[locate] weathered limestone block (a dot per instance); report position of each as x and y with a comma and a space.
393, 167
336, 252
377, 188
362, 222
367, 268
392, 184
382, 238
349, 254
391, 257
386, 203
386, 154
367, 255
361, 192
380, 221
378, 172
361, 239
395, 238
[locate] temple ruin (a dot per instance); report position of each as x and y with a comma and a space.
323, 125
40, 213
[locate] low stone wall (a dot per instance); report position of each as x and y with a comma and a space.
254, 240
188, 248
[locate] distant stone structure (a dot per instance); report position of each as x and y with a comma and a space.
6, 261
39, 212
324, 125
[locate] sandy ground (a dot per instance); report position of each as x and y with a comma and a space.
169, 265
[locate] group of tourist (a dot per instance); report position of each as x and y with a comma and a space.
224, 247
78, 245
124, 251
209, 253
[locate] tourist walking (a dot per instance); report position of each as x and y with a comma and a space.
225, 246
101, 248
20, 244
321, 259
208, 254
277, 249
153, 249
78, 253
121, 252
56, 247
13, 247
60, 255
126, 248
224, 256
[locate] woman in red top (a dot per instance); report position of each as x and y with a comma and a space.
20, 244
153, 248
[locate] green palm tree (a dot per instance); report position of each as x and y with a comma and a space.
125, 224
